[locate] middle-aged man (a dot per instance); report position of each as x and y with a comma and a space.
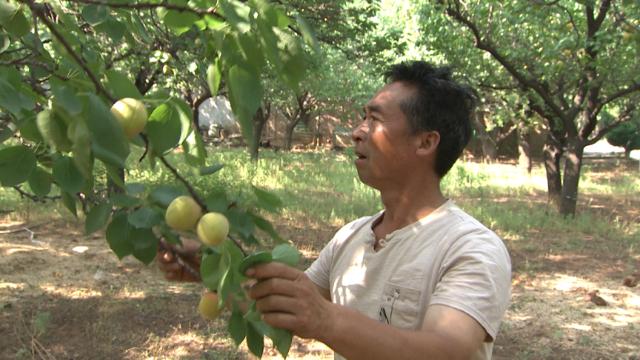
419, 280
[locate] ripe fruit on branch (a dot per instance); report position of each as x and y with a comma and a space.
131, 114
213, 228
183, 213
208, 306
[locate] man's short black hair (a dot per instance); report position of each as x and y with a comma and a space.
439, 104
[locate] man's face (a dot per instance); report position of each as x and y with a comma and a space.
384, 145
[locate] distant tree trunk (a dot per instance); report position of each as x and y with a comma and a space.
573, 164
259, 120
304, 104
288, 134
489, 146
552, 153
524, 147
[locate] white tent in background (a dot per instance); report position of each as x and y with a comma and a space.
601, 148
215, 112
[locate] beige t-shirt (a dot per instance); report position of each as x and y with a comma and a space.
446, 258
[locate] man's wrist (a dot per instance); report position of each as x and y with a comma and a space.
331, 323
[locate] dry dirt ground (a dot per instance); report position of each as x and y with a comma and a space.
64, 295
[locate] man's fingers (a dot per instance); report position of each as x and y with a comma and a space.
273, 286
280, 320
276, 303
273, 270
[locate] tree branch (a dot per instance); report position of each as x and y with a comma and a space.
38, 10
486, 45
147, 5
34, 197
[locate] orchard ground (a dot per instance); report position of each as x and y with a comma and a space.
65, 295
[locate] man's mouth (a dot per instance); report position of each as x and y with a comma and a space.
360, 156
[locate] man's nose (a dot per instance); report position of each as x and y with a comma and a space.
360, 131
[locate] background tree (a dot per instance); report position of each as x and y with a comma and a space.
571, 60
626, 134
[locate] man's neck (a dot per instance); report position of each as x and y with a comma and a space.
404, 206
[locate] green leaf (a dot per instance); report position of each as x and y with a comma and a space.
114, 175
81, 148
255, 340
145, 244
254, 259
240, 222
7, 11
179, 21
12, 99
245, 95
17, 25
217, 201
121, 86
237, 14
251, 51
113, 28
266, 226
28, 128
214, 75
267, 200
134, 188
97, 217
40, 181
211, 169
186, 117
5, 133
164, 128
53, 130
163, 195
69, 201
5, 42
237, 327
282, 340
95, 14
16, 165
119, 236
287, 254
211, 270
108, 141
145, 217
66, 97
125, 201
67, 175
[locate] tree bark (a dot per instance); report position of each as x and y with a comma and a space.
524, 147
259, 120
573, 164
552, 153
488, 145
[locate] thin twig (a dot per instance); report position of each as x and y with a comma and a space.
184, 181
34, 197
146, 5
37, 9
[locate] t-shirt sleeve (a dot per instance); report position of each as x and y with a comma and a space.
320, 270
476, 279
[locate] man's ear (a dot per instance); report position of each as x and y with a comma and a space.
428, 143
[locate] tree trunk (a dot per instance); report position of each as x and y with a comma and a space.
524, 147
288, 134
573, 164
259, 120
552, 152
489, 146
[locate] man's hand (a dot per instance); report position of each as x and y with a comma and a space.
289, 300
180, 263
